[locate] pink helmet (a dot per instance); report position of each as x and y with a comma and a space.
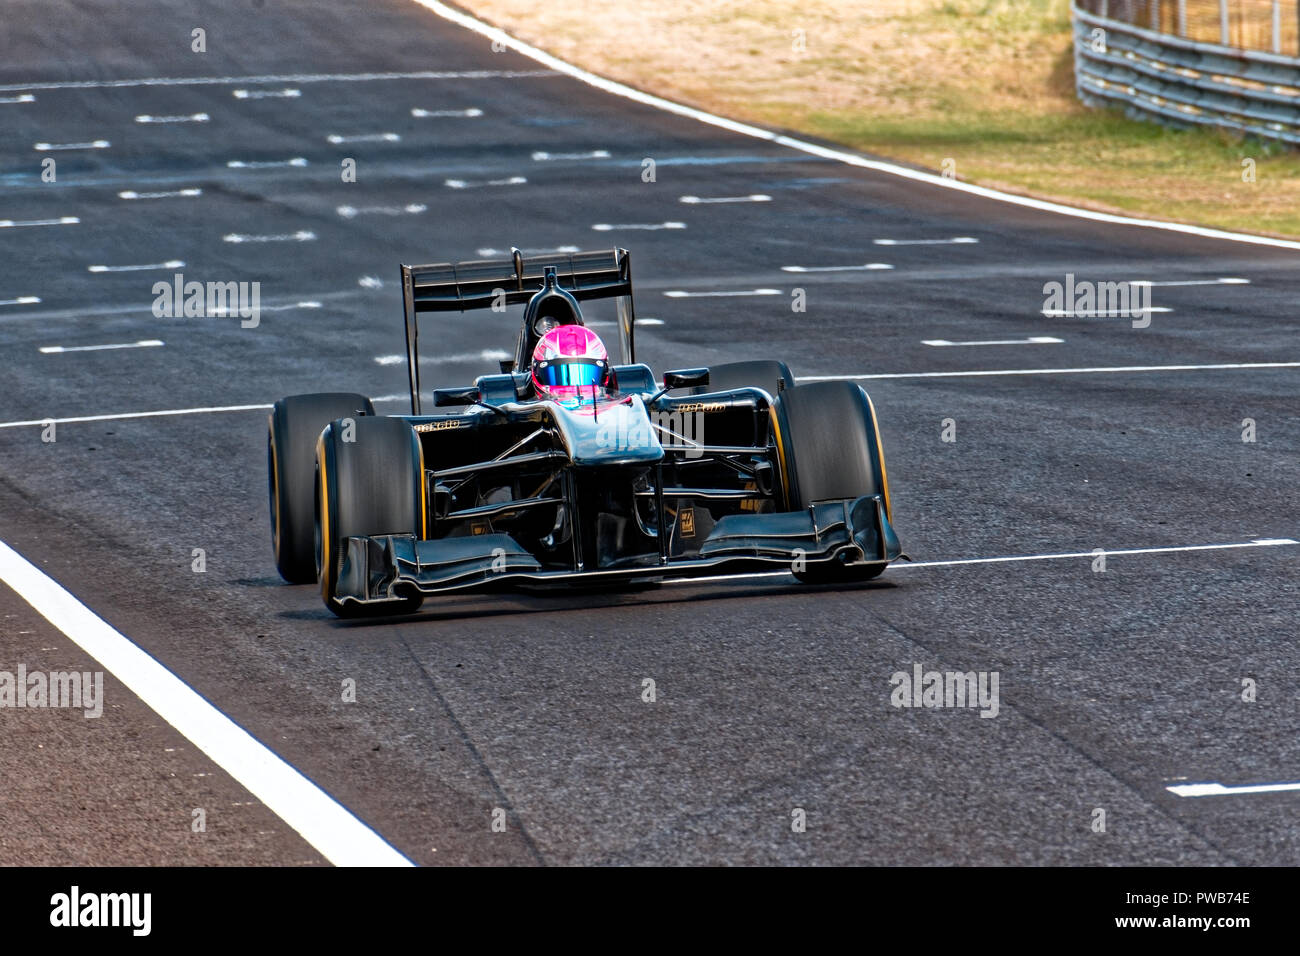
569, 364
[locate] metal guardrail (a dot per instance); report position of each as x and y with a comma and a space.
1178, 80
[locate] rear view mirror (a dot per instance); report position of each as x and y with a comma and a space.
443, 397
686, 378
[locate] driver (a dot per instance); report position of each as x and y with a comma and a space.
570, 365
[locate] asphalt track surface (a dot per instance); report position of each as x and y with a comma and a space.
770, 696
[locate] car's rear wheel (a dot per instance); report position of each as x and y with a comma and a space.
771, 376
370, 481
292, 429
829, 445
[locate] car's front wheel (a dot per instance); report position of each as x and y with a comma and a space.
369, 481
829, 445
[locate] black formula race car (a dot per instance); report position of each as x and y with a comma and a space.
727, 469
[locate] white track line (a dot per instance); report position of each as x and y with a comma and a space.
1103, 313
502, 38
679, 294
93, 144
220, 313
956, 240
169, 264
370, 282
302, 235
191, 118
323, 822
22, 300
61, 221
471, 113
905, 565
59, 349
24, 98
351, 212
541, 156
122, 416
466, 184
265, 164
1099, 370
487, 253
336, 139
644, 226
173, 194
1032, 340
277, 78
1178, 282
288, 94
867, 266
1218, 789
705, 200
487, 355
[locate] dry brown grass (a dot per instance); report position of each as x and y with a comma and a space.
987, 83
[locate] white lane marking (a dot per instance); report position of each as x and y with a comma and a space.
121, 416
302, 235
1218, 789
1177, 282
1053, 371
649, 322
487, 355
351, 212
1178, 549
471, 113
61, 221
646, 226
221, 312
370, 282
868, 266
288, 93
1103, 313
703, 200
191, 118
812, 149
466, 184
323, 822
541, 156
679, 294
93, 144
169, 264
265, 164
172, 194
142, 344
1032, 340
22, 300
955, 240
336, 139
277, 78
905, 565
488, 253
24, 98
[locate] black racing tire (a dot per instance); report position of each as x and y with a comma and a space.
292, 429
370, 481
771, 376
829, 446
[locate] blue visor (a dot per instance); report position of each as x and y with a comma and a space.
561, 373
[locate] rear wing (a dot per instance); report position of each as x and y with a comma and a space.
498, 283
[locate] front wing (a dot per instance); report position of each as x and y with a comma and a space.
384, 567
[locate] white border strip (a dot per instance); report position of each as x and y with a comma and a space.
982, 373
123, 415
1217, 789
745, 129
323, 822
905, 565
